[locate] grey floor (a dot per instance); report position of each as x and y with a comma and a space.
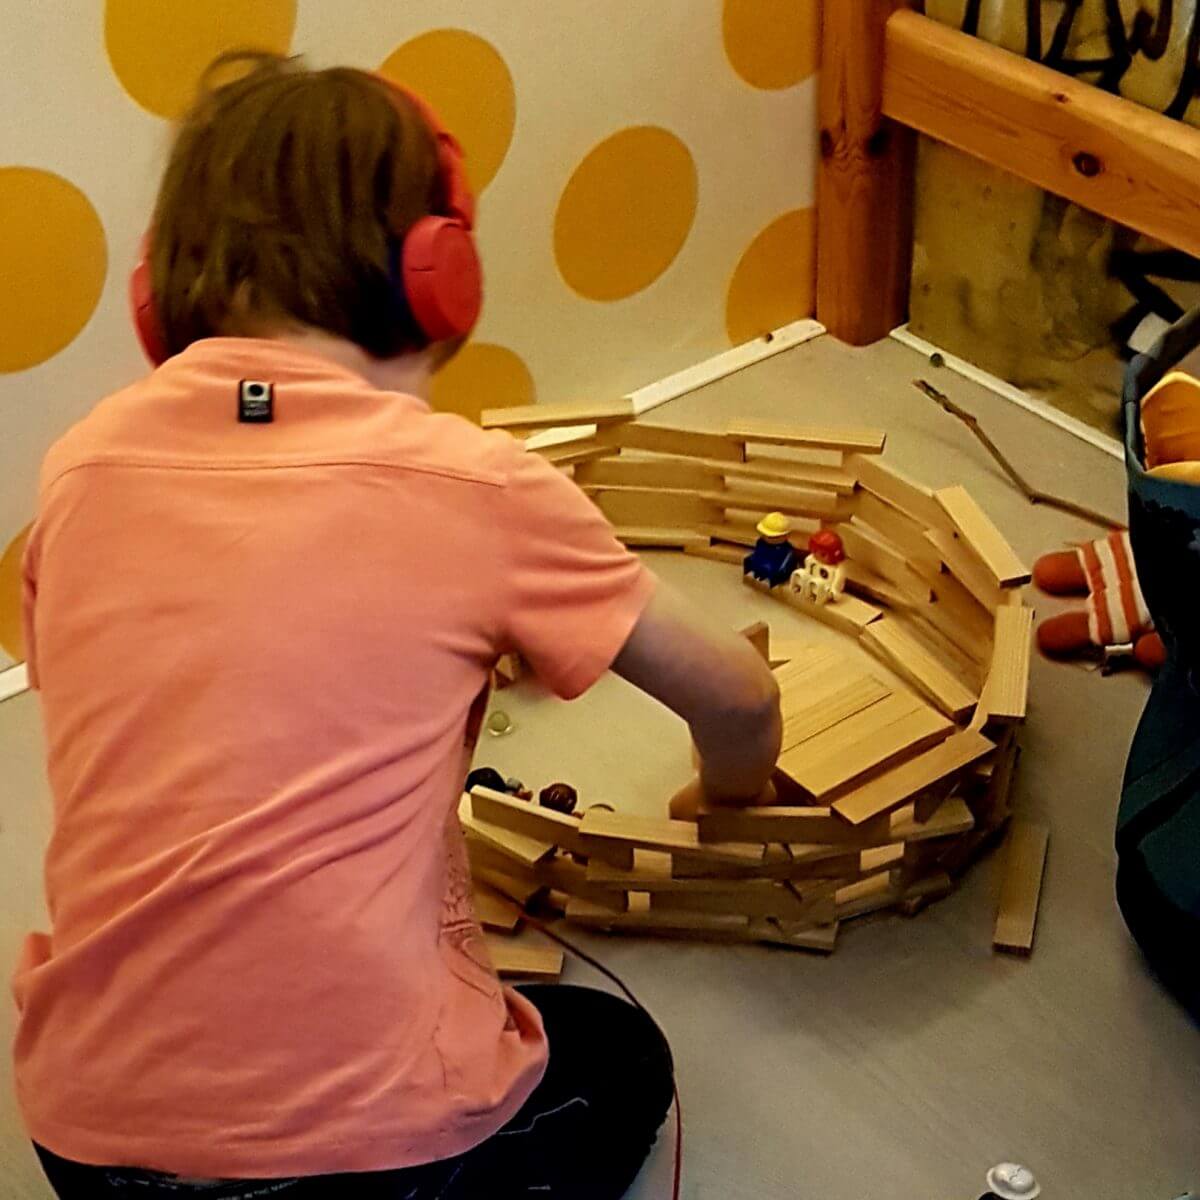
914, 1058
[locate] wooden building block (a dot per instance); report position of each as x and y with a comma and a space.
645, 920
866, 584
750, 898
781, 823
730, 533
525, 960
819, 938
759, 636
519, 889
848, 614
1021, 890
864, 546
523, 850
962, 564
957, 615
893, 486
563, 874
808, 437
527, 818
547, 416
881, 858
610, 835
863, 744
659, 472
953, 817
757, 495
865, 896
973, 526
659, 439
507, 671
1008, 679
898, 528
733, 555
853, 695
647, 537
656, 508
803, 527
494, 910
915, 664
573, 454
793, 472
651, 868
889, 791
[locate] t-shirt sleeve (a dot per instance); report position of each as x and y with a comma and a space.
28, 596
573, 592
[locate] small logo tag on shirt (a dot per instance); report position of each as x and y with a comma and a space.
256, 402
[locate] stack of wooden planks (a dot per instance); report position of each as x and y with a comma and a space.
890, 783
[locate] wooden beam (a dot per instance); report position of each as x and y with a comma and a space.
808, 437
530, 417
864, 211
1107, 154
1021, 890
974, 527
1008, 680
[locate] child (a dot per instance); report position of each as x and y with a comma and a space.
264, 591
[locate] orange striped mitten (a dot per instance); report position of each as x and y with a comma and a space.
1115, 613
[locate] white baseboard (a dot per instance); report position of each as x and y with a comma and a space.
1080, 429
13, 682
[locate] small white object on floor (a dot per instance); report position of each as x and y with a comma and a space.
1011, 1181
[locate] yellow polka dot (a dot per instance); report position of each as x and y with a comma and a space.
12, 640
775, 281
160, 50
625, 213
470, 88
53, 260
481, 376
773, 43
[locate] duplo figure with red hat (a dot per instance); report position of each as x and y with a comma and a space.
823, 576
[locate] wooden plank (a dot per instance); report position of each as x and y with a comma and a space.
732, 555
529, 417
864, 238
951, 819
1008, 679
807, 437
874, 588
603, 832
525, 851
651, 869
786, 823
868, 741
879, 892
974, 527
873, 551
759, 636
495, 911
848, 614
914, 499
660, 439
526, 818
896, 527
571, 454
1024, 864
820, 938
656, 508
856, 693
915, 664
755, 494
524, 960
660, 472
645, 920
647, 537
966, 569
889, 791
737, 535
797, 474
564, 874
748, 898
1115, 158
956, 614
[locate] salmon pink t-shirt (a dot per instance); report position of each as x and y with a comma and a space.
261, 649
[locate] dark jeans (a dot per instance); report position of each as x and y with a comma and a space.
583, 1134
1168, 936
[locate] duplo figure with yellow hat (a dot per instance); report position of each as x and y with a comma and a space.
773, 558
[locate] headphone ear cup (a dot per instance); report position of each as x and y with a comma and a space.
145, 312
443, 279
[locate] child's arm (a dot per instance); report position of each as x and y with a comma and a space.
719, 685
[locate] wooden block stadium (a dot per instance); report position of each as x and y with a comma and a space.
890, 781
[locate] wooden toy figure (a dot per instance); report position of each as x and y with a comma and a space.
823, 576
773, 558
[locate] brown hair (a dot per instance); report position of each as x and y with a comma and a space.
285, 197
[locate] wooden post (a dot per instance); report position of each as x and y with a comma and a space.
864, 215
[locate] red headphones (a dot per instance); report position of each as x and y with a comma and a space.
440, 274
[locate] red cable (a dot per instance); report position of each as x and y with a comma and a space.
597, 965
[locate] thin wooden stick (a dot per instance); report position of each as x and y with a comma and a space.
1032, 494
